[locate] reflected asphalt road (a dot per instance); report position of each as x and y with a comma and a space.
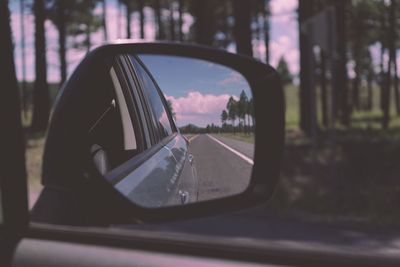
221, 171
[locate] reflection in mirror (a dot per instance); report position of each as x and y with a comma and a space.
188, 131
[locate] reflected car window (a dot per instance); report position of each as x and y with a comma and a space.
163, 123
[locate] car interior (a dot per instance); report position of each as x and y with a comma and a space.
112, 137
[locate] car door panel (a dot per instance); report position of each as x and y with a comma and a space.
43, 253
151, 183
188, 182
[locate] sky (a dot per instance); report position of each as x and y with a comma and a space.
283, 36
193, 102
199, 90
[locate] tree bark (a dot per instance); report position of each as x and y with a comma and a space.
341, 98
23, 63
387, 88
204, 24
104, 20
160, 26
171, 23
141, 15
393, 52
382, 75
305, 94
62, 40
88, 38
241, 30
324, 93
12, 156
180, 20
355, 97
266, 29
128, 20
118, 20
396, 83
41, 96
369, 89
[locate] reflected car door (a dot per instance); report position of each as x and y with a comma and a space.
170, 175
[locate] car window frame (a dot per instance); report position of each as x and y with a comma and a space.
163, 101
133, 91
160, 93
134, 105
149, 117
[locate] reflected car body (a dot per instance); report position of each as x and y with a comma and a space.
167, 176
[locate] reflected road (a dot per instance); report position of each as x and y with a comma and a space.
221, 171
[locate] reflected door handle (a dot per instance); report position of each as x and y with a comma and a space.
190, 158
184, 196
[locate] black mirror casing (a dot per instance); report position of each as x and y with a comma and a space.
94, 198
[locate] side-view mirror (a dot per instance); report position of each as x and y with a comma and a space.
155, 131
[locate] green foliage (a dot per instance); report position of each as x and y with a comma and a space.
232, 109
171, 108
79, 18
224, 116
284, 71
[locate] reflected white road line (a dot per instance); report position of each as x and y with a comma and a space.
245, 158
193, 137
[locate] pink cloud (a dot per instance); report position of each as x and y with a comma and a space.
233, 78
279, 6
199, 109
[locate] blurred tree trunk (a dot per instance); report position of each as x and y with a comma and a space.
266, 14
355, 97
257, 30
369, 90
104, 19
324, 93
119, 5
12, 156
62, 39
171, 22
180, 21
41, 97
393, 52
128, 20
23, 63
141, 15
88, 37
382, 69
341, 97
224, 26
204, 23
157, 10
387, 88
242, 30
305, 11
396, 83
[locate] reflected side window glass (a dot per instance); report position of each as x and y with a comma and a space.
157, 105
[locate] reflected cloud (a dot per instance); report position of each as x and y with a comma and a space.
233, 78
198, 108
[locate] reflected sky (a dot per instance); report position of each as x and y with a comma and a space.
198, 89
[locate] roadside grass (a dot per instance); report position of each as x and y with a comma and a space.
348, 175
34, 154
248, 138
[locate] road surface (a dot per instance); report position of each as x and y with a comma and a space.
223, 165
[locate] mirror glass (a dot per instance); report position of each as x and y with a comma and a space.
187, 127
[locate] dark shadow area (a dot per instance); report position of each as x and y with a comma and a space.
347, 176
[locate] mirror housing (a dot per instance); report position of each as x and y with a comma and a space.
94, 198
